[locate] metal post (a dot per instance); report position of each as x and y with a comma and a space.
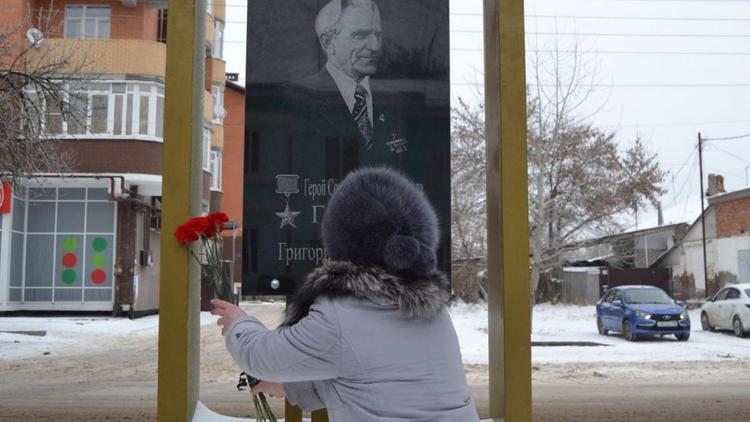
509, 301
703, 211
179, 296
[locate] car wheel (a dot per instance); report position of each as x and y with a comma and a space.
682, 336
705, 323
738, 328
600, 326
627, 331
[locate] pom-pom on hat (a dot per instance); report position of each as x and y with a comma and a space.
377, 217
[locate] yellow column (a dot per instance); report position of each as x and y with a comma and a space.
179, 307
507, 212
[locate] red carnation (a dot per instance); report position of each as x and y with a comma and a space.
219, 218
185, 235
202, 226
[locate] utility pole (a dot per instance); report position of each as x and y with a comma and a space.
179, 297
703, 210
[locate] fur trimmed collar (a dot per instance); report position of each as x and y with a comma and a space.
418, 297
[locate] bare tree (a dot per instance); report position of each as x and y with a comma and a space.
468, 196
580, 184
39, 90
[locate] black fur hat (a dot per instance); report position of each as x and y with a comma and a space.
378, 218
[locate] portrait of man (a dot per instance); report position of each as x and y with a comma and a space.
332, 86
347, 106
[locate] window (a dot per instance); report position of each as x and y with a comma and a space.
87, 22
219, 39
99, 110
54, 116
206, 148
155, 220
216, 169
78, 112
144, 98
217, 92
107, 109
722, 295
50, 224
160, 112
161, 34
617, 296
733, 294
210, 7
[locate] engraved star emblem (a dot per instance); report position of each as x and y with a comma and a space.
287, 217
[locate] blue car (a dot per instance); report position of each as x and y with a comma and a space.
641, 310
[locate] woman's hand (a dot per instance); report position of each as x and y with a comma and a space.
228, 313
273, 389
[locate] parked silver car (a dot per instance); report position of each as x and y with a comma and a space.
729, 309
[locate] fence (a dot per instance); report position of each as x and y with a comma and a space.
579, 285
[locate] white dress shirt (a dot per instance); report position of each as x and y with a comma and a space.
348, 86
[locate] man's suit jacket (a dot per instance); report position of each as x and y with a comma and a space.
329, 121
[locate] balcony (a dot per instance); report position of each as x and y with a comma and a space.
103, 57
218, 71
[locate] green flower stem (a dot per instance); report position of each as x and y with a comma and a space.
269, 412
259, 417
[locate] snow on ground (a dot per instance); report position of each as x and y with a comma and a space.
556, 323
566, 323
70, 335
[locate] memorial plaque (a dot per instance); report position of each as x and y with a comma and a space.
332, 86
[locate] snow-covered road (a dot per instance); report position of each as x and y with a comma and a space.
556, 323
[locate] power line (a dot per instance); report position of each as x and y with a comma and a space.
729, 138
647, 86
676, 124
689, 175
628, 52
691, 159
730, 154
643, 18
624, 52
636, 35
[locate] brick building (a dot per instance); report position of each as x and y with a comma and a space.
89, 241
233, 172
727, 220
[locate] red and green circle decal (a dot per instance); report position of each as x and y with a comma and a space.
98, 277
70, 244
99, 244
99, 260
69, 260
69, 276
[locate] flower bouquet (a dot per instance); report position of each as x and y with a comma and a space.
263, 412
208, 230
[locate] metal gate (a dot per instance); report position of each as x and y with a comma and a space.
657, 277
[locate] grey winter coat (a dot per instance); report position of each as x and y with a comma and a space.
364, 344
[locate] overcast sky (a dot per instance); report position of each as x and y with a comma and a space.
665, 70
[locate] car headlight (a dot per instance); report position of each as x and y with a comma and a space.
644, 315
684, 315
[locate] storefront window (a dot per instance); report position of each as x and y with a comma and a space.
63, 246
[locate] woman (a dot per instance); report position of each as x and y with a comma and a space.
367, 336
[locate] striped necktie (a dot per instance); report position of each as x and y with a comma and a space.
361, 115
